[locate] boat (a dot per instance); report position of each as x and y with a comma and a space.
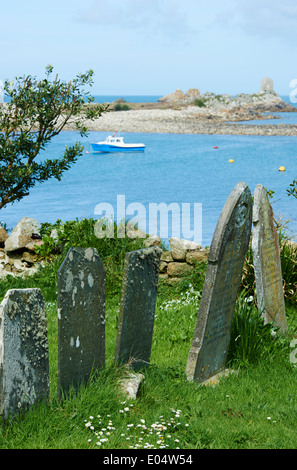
114, 143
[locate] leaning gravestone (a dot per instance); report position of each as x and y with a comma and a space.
209, 350
24, 360
81, 317
137, 309
267, 264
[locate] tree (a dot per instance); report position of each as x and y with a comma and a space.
292, 191
36, 112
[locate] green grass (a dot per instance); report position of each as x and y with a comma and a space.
254, 408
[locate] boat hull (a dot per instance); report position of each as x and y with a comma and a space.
105, 148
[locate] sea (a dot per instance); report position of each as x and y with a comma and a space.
189, 171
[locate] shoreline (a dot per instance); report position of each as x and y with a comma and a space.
186, 120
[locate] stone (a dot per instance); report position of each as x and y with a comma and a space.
197, 256
266, 84
166, 256
176, 269
135, 233
131, 385
24, 359
28, 256
21, 234
163, 267
31, 246
267, 264
152, 240
81, 317
18, 264
3, 235
180, 247
208, 353
137, 308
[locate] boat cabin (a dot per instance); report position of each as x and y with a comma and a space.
114, 140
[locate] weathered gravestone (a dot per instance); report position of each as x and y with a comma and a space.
267, 264
137, 309
209, 350
24, 360
81, 317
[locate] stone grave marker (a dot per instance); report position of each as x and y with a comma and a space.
24, 360
81, 317
137, 309
267, 264
207, 356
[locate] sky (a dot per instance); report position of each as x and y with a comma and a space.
153, 47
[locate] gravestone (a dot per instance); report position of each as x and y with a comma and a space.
81, 317
267, 264
24, 361
209, 350
137, 308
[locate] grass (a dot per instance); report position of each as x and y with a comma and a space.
254, 408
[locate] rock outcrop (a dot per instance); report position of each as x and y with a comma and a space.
265, 100
17, 250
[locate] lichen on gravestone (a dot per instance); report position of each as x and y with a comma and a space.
267, 263
137, 308
229, 245
24, 359
81, 317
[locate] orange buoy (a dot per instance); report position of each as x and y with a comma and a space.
216, 147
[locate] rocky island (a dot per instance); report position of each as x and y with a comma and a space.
193, 112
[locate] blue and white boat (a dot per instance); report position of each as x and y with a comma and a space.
115, 144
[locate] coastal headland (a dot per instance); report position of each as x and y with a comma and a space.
195, 113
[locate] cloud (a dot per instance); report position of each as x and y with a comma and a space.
264, 18
154, 17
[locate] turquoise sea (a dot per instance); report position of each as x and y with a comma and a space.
174, 168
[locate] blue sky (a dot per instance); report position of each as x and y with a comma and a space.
153, 46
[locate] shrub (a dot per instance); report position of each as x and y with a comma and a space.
200, 103
121, 107
252, 340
